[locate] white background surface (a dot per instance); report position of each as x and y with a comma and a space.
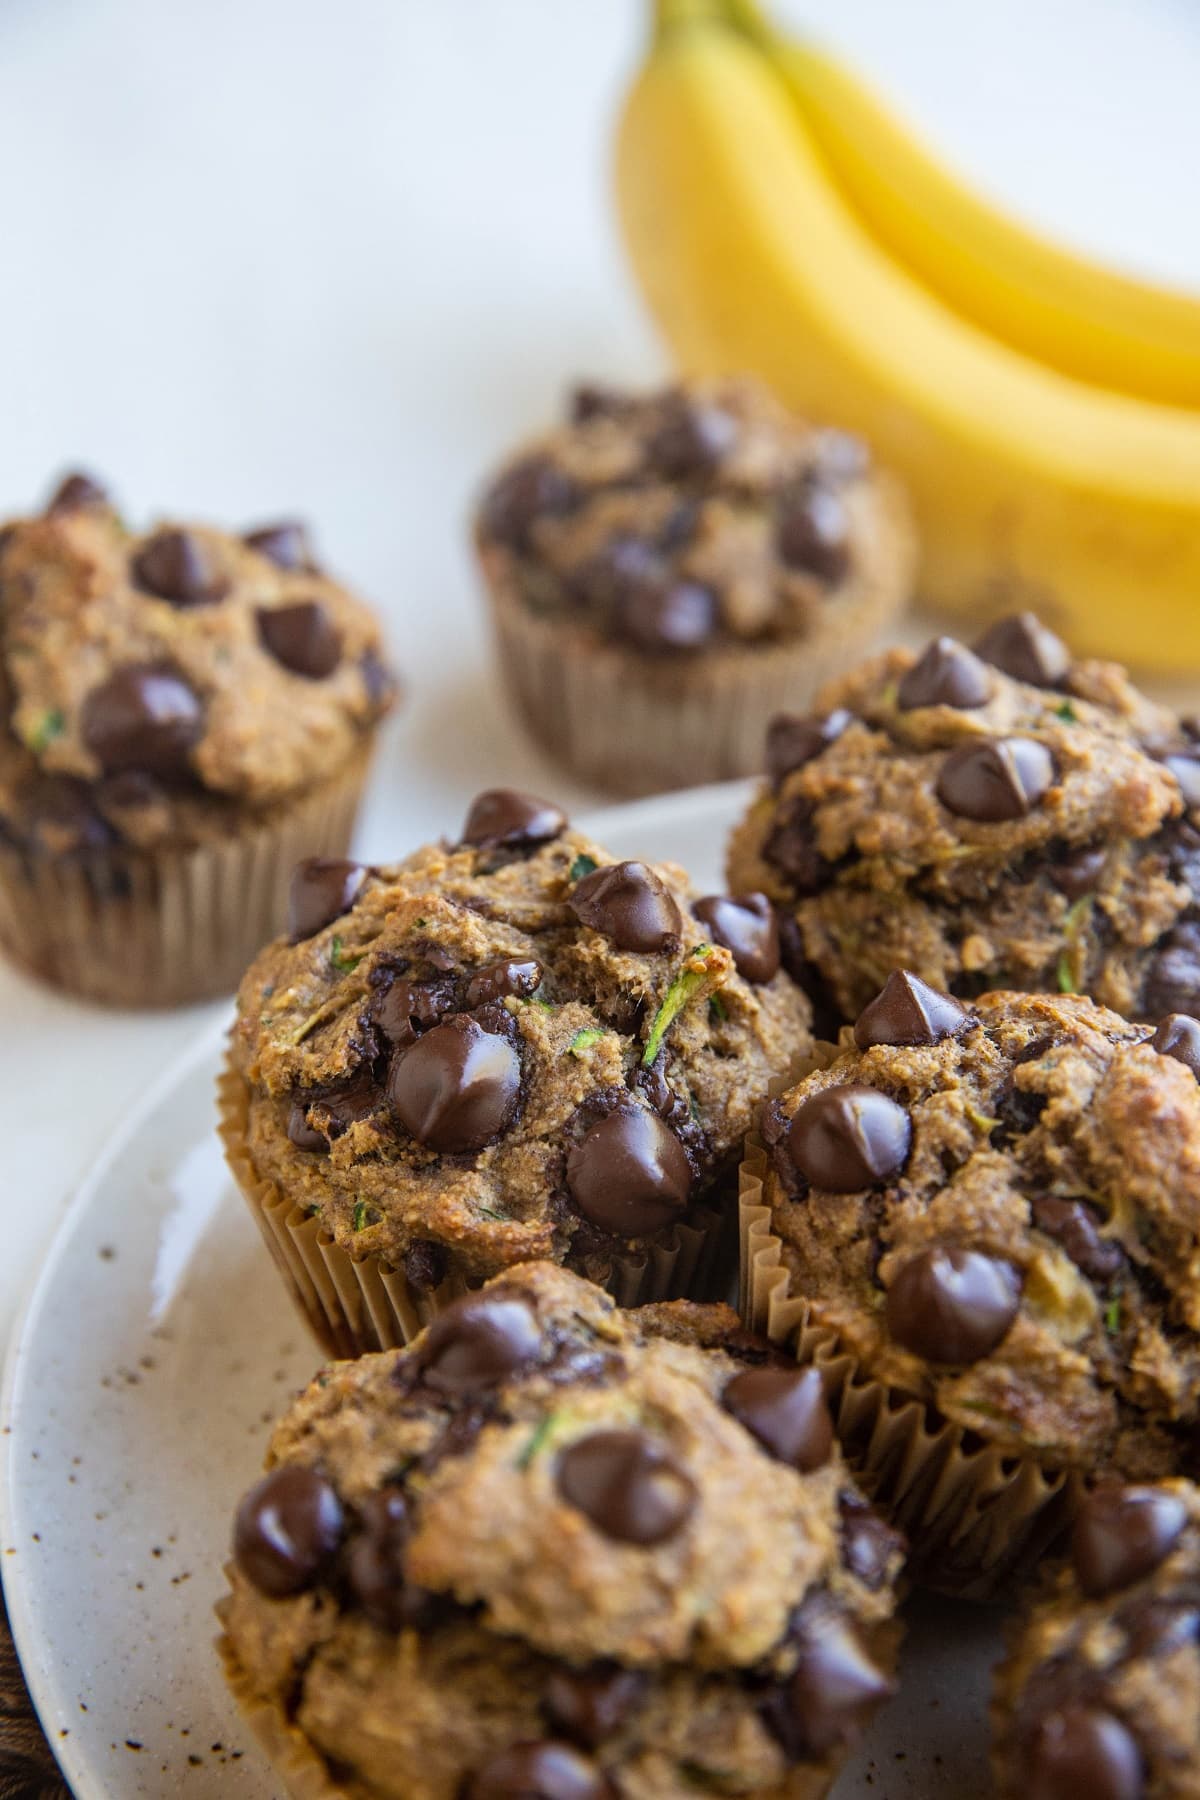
266, 256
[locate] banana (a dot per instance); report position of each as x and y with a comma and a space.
1084, 320
1031, 489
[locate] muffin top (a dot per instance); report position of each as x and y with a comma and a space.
1100, 1693
634, 1535
510, 1048
153, 683
997, 1208
1002, 817
699, 515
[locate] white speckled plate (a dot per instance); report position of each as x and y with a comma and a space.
155, 1351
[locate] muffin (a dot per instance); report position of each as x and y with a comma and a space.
557, 1551
1003, 817
667, 570
497, 1051
1099, 1696
184, 715
983, 1224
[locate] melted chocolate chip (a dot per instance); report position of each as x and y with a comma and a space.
1079, 872
1021, 646
1186, 770
180, 567
1123, 1533
868, 1545
530, 490
375, 1564
1075, 1226
693, 438
285, 544
945, 674
590, 1705
514, 975
666, 612
629, 905
850, 1137
426, 1265
338, 1108
301, 1133
287, 1530
793, 741
1178, 1035
619, 568
792, 847
144, 716
628, 1485
322, 889
75, 492
503, 819
456, 1087
746, 926
478, 1343
995, 781
302, 637
832, 1694
1173, 978
630, 1176
406, 1008
1082, 1753
909, 1011
813, 532
952, 1306
544, 1771
785, 1410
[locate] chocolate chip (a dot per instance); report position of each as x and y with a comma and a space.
1021, 646
589, 400
908, 1011
1186, 770
545, 1771
1075, 1226
1178, 1035
666, 613
628, 1485
945, 674
378, 681
338, 1108
630, 1175
287, 1530
426, 1265
478, 1343
456, 1087
693, 438
952, 1306
375, 1564
1123, 1533
1079, 873
832, 1694
590, 1705
503, 819
1082, 1753
745, 925
1173, 977
75, 492
849, 1137
785, 1410
61, 814
793, 741
1160, 1627
406, 1008
995, 781
629, 905
180, 567
302, 637
532, 489
791, 847
514, 975
868, 1545
322, 889
145, 716
301, 1133
285, 544
813, 532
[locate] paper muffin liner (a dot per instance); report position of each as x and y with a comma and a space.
635, 723
356, 1304
977, 1518
163, 927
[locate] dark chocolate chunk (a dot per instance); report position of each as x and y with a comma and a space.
75, 492
630, 1175
666, 612
180, 567
322, 889
375, 1564
1121, 1534
426, 1265
1075, 1225
145, 716
302, 637
629, 905
1173, 977
1079, 872
406, 1008
813, 531
589, 1705
785, 1410
478, 1343
793, 741
301, 1133
628, 1484
746, 926
693, 438
945, 674
868, 1544
620, 567
1082, 1753
908, 1011
543, 1771
338, 1108
512, 976
1021, 646
952, 1306
792, 848
1178, 1035
532, 489
1186, 770
849, 1137
503, 819
284, 543
996, 780
456, 1087
832, 1694
287, 1530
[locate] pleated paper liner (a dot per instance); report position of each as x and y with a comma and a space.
977, 1519
358, 1304
163, 927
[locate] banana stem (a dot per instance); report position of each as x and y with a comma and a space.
669, 15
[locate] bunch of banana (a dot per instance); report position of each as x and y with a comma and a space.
1046, 415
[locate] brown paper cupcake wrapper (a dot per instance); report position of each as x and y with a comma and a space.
358, 1304
977, 1519
160, 928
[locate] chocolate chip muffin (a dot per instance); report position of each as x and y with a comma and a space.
182, 716
557, 1551
504, 1049
667, 570
983, 1222
1099, 1696
998, 817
